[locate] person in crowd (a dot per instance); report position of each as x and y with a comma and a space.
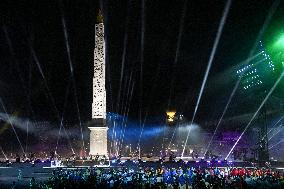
162, 177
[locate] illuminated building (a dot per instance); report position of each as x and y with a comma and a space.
98, 127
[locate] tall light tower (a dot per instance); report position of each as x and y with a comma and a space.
258, 77
98, 127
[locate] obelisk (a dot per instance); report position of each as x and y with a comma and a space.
98, 127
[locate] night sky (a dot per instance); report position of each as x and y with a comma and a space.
32, 34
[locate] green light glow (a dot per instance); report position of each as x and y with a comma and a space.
276, 49
280, 42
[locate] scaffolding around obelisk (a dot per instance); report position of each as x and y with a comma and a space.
98, 126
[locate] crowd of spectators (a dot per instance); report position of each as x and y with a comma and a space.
160, 178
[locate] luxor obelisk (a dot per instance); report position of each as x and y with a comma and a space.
98, 127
